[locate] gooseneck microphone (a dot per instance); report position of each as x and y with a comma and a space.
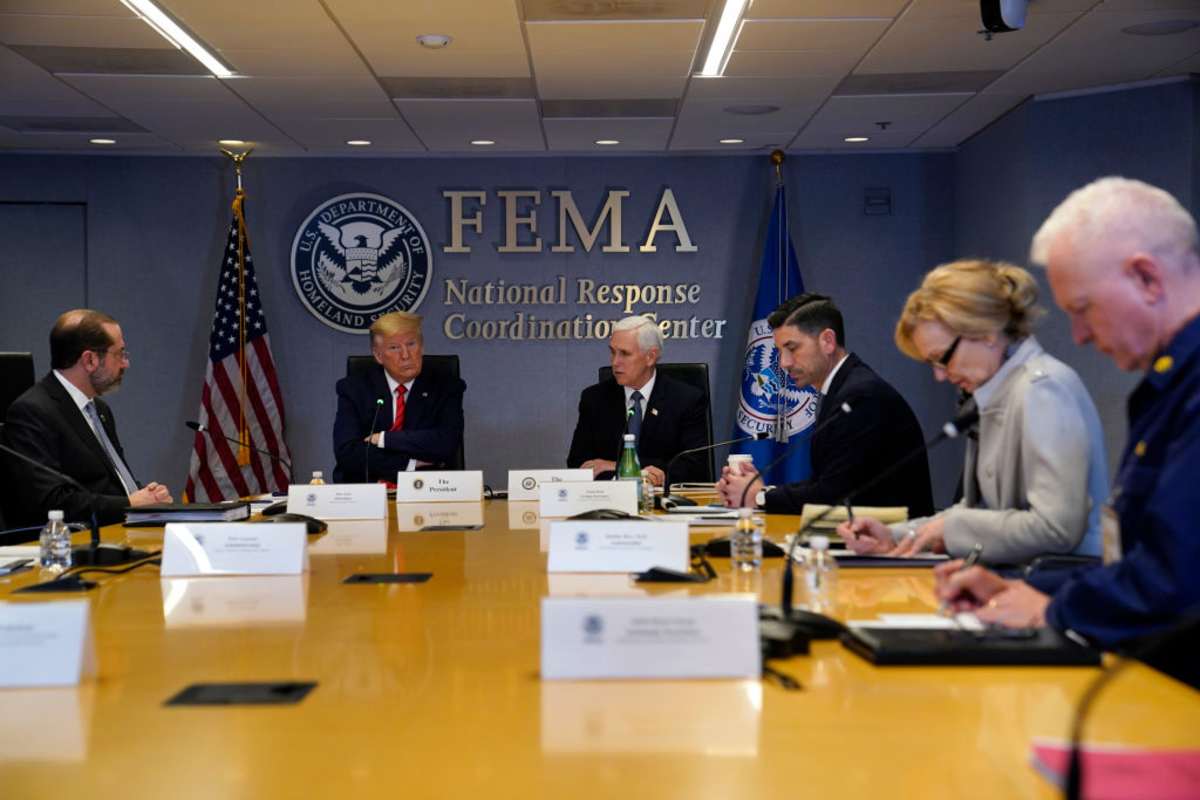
93, 554
199, 428
966, 418
371, 430
666, 496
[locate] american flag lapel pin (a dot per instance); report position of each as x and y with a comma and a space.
654, 411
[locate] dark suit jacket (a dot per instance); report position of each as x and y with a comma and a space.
45, 424
674, 420
433, 425
854, 448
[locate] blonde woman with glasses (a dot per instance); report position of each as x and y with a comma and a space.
1035, 477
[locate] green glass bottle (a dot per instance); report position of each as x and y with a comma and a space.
629, 468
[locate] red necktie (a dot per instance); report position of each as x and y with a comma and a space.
398, 422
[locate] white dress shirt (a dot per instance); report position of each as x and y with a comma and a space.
392, 384
645, 390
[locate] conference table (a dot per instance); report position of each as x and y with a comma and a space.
432, 690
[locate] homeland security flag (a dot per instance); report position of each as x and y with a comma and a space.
770, 400
241, 397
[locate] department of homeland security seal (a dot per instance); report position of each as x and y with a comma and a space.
768, 392
357, 257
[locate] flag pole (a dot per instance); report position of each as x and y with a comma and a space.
782, 290
243, 436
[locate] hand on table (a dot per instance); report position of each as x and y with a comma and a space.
732, 486
866, 536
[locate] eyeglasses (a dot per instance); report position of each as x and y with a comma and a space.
947, 356
122, 354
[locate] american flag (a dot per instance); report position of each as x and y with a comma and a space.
241, 396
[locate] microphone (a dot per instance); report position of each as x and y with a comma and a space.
844, 408
956, 427
199, 428
683, 501
371, 430
92, 554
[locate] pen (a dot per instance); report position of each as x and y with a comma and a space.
971, 560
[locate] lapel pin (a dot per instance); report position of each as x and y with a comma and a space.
654, 411
424, 394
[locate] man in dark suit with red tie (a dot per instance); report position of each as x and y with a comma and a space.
62, 422
395, 417
666, 416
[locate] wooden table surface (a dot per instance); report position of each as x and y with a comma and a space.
432, 690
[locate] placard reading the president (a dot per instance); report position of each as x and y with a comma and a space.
568, 499
523, 483
456, 486
620, 637
234, 548
617, 546
45, 644
339, 500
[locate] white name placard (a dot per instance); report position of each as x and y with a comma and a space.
234, 548
456, 486
621, 637
445, 516
523, 483
45, 644
339, 500
617, 546
568, 499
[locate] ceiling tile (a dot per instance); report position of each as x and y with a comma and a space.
860, 115
333, 61
452, 124
734, 88
581, 134
48, 29
706, 139
331, 135
573, 10
968, 119
828, 140
782, 64
124, 92
28, 89
232, 25
331, 97
711, 114
766, 9
596, 87
86, 8
825, 34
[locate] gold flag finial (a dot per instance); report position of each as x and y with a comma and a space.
777, 158
237, 159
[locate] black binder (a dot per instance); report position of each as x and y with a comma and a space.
990, 647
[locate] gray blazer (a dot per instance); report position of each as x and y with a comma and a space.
1035, 481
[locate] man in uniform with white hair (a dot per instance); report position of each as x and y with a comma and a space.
1123, 262
667, 416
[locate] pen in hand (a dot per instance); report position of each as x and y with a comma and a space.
971, 560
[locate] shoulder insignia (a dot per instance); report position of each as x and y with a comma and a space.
1163, 364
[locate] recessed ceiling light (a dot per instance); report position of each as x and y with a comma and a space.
358, 142
173, 32
434, 41
482, 142
751, 110
732, 141
103, 141
853, 139
1162, 27
234, 142
608, 141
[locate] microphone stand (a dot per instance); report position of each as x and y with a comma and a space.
370, 431
93, 555
198, 428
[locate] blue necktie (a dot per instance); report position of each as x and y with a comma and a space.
635, 420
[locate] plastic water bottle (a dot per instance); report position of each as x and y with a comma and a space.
318, 478
55, 543
820, 575
746, 546
630, 469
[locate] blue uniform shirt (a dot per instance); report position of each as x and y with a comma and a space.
1156, 497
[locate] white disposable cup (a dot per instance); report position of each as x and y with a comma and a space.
738, 461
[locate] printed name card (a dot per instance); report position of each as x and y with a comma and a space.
339, 500
45, 644
461, 486
621, 637
234, 548
523, 483
568, 499
617, 546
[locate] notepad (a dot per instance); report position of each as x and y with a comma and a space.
1114, 771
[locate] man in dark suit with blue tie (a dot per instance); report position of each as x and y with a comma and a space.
395, 417
667, 416
62, 422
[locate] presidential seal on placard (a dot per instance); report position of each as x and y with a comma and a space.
357, 257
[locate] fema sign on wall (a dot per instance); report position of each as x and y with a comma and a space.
359, 256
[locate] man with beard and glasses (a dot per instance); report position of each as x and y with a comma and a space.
62, 422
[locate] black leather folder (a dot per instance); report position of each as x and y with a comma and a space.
991, 647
